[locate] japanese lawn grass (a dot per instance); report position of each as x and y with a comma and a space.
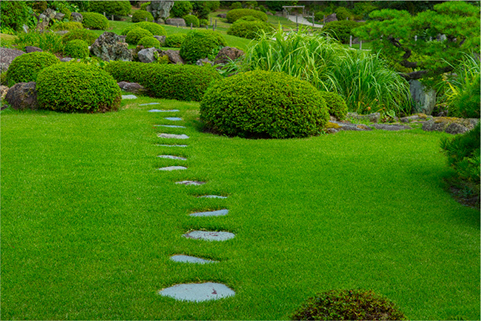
89, 223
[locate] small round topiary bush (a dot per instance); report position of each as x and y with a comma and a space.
77, 87
335, 104
264, 104
141, 15
125, 31
118, 8
26, 67
200, 44
156, 29
76, 49
191, 19
143, 6
341, 30
149, 42
92, 20
83, 34
175, 40
235, 14
134, 35
67, 26
249, 29
348, 305
248, 18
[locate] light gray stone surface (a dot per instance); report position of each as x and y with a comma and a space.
163, 135
190, 259
196, 292
424, 98
129, 97
172, 157
172, 168
173, 118
170, 126
212, 196
110, 46
195, 183
210, 235
163, 110
222, 212
149, 104
165, 145
147, 55
390, 127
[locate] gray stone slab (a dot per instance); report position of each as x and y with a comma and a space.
172, 157
164, 145
190, 183
149, 104
164, 135
173, 118
172, 168
163, 110
198, 292
212, 196
210, 235
210, 213
129, 97
190, 259
390, 127
170, 126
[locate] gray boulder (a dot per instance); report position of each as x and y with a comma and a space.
331, 17
29, 49
450, 125
390, 127
160, 9
7, 56
77, 17
424, 98
222, 15
132, 87
109, 46
23, 96
147, 55
202, 62
59, 16
175, 22
373, 117
174, 56
161, 39
227, 53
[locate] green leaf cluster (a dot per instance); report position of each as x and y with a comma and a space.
93, 20
180, 9
26, 67
236, 14
14, 14
336, 105
141, 15
82, 34
77, 49
200, 44
118, 8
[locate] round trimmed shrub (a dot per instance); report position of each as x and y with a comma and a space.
125, 31
203, 22
68, 26
143, 6
236, 5
83, 34
180, 9
66, 11
141, 15
341, 30
76, 49
248, 29
342, 13
118, 8
77, 87
248, 18
191, 19
94, 20
175, 40
336, 105
134, 35
154, 28
348, 305
26, 67
235, 14
199, 44
264, 104
149, 42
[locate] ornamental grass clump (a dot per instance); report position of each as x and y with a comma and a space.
263, 104
25, 68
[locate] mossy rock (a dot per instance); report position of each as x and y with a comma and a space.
26, 67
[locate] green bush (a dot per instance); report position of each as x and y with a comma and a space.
149, 42
83, 34
39, 6
342, 13
467, 103
190, 19
341, 30
118, 8
319, 16
262, 104
180, 9
67, 26
26, 67
93, 20
277, 5
248, 29
134, 35
200, 44
3, 78
66, 11
248, 18
175, 40
77, 87
141, 15
203, 22
14, 14
47, 41
154, 28
348, 305
235, 14
76, 49
126, 30
336, 105
236, 5
143, 6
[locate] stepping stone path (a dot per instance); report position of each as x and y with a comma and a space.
195, 292
163, 135
212, 196
211, 213
129, 97
190, 259
190, 183
173, 118
172, 157
172, 168
163, 110
170, 126
210, 235
172, 145
149, 104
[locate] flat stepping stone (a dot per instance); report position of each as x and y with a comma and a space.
129, 97
170, 126
390, 127
190, 183
210, 235
211, 213
198, 292
172, 168
212, 196
190, 259
163, 135
173, 118
163, 110
149, 104
172, 157
172, 145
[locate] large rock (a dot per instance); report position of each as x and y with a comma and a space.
174, 56
450, 125
7, 56
59, 16
3, 92
77, 17
23, 96
132, 87
175, 22
147, 55
161, 39
331, 17
222, 15
29, 49
424, 98
109, 46
227, 53
160, 9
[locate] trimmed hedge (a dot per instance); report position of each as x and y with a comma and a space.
200, 44
94, 20
83, 34
180, 9
341, 30
141, 15
67, 26
77, 87
134, 35
118, 8
264, 104
175, 40
235, 14
154, 28
336, 105
191, 19
149, 42
77, 49
25, 68
181, 82
248, 29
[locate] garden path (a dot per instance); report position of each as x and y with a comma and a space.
303, 21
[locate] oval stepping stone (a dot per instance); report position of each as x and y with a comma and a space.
172, 157
170, 126
173, 118
163, 135
149, 104
211, 213
129, 97
209, 235
163, 110
195, 292
172, 145
212, 196
190, 183
190, 259
172, 168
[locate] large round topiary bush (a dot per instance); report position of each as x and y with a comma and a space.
235, 14
76, 49
26, 67
336, 105
264, 104
67, 26
199, 44
156, 29
134, 35
175, 40
149, 42
83, 34
249, 29
92, 20
348, 305
141, 15
77, 87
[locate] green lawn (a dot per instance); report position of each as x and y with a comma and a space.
89, 224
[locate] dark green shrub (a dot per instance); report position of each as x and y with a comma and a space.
125, 31
93, 20
118, 8
39, 6
264, 104
180, 9
336, 105
277, 5
319, 16
14, 14
348, 305
47, 41
199, 44
203, 22
201, 9
26, 67
235, 14
248, 18
141, 15
248, 29
76, 49
342, 13
467, 104
175, 40
77, 87
236, 5
154, 28
143, 6
213, 5
190, 19
134, 35
149, 42
67, 26
66, 11
341, 30
87, 35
